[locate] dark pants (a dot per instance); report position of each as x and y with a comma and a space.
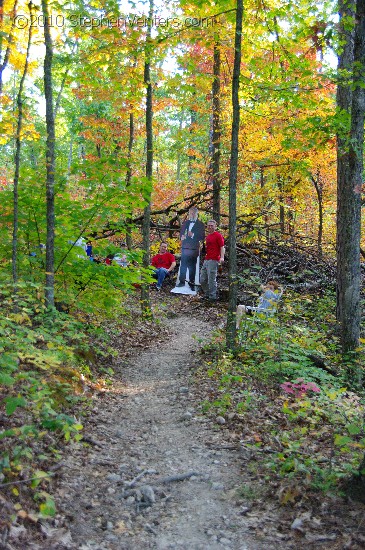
188, 261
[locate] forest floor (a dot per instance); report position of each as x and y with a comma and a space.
155, 472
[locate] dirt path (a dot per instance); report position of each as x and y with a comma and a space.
123, 492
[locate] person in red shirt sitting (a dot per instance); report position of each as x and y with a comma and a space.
164, 262
214, 256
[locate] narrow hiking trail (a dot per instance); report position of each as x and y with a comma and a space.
157, 473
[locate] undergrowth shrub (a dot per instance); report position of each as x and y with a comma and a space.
290, 364
42, 374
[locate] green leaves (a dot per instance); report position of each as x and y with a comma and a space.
342, 440
39, 476
8, 364
6, 379
12, 403
48, 507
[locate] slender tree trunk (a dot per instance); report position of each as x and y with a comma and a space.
291, 217
216, 133
18, 144
191, 157
266, 219
232, 254
319, 190
50, 157
178, 165
145, 294
281, 206
128, 235
350, 99
70, 154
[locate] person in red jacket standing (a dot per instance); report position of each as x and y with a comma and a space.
214, 256
164, 262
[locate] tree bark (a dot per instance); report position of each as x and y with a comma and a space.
281, 205
351, 101
145, 294
178, 164
18, 144
191, 156
50, 158
128, 234
232, 253
319, 190
216, 138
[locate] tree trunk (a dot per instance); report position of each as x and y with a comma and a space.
266, 219
128, 234
69, 161
191, 156
216, 139
50, 158
281, 205
19, 103
319, 190
350, 98
178, 164
232, 254
145, 294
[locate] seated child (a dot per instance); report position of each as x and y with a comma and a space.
267, 302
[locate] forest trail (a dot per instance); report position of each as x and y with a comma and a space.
122, 491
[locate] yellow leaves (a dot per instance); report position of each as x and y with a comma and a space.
20, 318
40, 359
6, 131
8, 125
288, 494
17, 60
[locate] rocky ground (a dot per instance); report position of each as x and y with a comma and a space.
156, 473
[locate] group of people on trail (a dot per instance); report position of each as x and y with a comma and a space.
192, 234
195, 237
